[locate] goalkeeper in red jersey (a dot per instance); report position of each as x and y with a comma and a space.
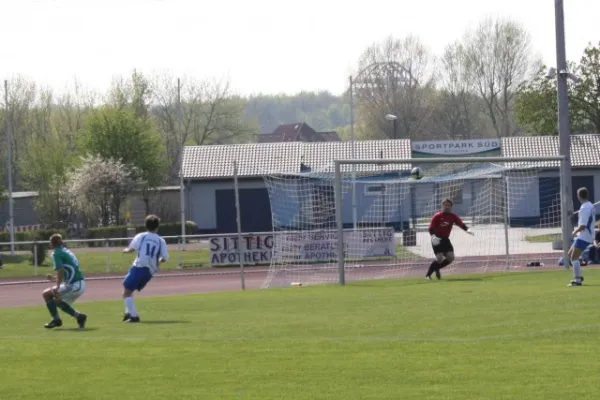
439, 229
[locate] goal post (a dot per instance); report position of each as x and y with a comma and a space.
368, 218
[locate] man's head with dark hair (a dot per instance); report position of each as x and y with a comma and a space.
152, 223
447, 205
582, 193
56, 240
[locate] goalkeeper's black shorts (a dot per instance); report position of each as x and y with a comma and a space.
445, 246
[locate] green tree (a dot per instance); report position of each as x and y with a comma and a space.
536, 105
118, 134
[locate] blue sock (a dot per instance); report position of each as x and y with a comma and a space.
52, 308
67, 308
577, 270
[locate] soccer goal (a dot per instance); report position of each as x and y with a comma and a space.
379, 214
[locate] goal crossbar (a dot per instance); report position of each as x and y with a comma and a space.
338, 192
450, 160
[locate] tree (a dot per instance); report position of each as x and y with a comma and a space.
118, 134
210, 114
457, 112
536, 104
499, 57
586, 96
99, 187
45, 166
395, 77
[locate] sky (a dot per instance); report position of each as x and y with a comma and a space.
260, 46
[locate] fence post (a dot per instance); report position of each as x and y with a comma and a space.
107, 255
236, 190
35, 258
181, 239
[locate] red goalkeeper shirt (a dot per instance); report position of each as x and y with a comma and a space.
441, 224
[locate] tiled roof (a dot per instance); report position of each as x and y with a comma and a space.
213, 162
585, 149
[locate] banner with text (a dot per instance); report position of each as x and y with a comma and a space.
457, 148
305, 246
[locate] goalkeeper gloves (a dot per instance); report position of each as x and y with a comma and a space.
435, 240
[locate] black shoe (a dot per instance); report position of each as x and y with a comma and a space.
575, 283
55, 323
133, 319
81, 319
126, 317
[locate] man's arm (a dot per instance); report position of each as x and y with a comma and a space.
134, 245
584, 215
433, 223
459, 222
164, 251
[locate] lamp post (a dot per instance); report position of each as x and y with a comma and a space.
393, 118
564, 130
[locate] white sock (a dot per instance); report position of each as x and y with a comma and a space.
577, 270
130, 307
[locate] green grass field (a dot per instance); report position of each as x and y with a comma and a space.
95, 262
543, 238
502, 336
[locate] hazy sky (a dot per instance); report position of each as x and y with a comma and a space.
261, 45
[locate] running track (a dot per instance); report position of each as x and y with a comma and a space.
28, 292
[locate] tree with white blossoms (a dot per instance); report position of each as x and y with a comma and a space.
99, 187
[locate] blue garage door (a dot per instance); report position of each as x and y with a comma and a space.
255, 210
582, 181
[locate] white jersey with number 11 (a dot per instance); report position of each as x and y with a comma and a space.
150, 247
587, 218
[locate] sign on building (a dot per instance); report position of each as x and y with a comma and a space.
457, 148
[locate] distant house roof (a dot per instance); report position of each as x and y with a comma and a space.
254, 160
297, 132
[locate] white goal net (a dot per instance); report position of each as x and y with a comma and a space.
383, 213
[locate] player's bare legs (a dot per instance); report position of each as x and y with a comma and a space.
574, 254
434, 267
448, 259
53, 302
131, 314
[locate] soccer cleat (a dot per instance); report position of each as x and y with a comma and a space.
575, 283
55, 323
126, 317
438, 274
81, 319
427, 277
133, 319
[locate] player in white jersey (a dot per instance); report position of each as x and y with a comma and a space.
583, 233
151, 251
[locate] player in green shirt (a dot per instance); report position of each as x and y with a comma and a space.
70, 284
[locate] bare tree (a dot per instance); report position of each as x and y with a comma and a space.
499, 57
396, 76
457, 114
210, 114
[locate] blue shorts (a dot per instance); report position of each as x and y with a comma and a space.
137, 278
580, 244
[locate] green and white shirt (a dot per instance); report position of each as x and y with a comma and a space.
65, 259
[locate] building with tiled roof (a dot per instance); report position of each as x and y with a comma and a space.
208, 172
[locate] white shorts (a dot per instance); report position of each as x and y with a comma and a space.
70, 293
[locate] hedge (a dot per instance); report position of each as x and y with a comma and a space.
168, 229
